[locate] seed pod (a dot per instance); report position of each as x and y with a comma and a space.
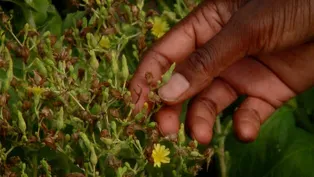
86, 141
67, 138
9, 76
195, 154
21, 122
114, 63
107, 141
181, 135
125, 69
166, 77
91, 41
93, 60
113, 126
105, 94
60, 122
40, 67
139, 116
93, 157
152, 125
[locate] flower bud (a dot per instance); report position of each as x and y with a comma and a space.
67, 138
107, 141
195, 154
152, 125
181, 135
125, 69
166, 77
113, 126
21, 122
93, 157
93, 60
86, 141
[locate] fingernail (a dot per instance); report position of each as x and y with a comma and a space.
176, 86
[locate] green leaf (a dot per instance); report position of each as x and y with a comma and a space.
71, 19
282, 149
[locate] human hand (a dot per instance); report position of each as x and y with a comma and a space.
228, 48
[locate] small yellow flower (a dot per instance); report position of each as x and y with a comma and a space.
36, 90
104, 42
160, 154
160, 27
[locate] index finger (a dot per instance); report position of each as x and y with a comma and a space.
176, 45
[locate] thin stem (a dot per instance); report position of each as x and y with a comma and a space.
221, 149
35, 165
17, 40
77, 102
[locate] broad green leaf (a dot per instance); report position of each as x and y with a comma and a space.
282, 149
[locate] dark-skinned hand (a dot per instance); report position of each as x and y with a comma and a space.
226, 48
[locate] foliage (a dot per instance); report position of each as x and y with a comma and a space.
65, 107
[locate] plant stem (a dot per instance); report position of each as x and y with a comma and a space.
35, 164
221, 149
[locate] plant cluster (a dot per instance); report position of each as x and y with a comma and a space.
65, 107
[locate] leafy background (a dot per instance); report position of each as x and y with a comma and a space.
285, 146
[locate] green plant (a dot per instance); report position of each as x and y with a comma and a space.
65, 107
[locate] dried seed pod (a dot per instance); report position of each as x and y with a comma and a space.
26, 105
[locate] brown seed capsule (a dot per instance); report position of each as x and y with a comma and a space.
11, 46
151, 12
130, 130
4, 18
3, 100
14, 83
115, 112
81, 73
116, 93
32, 34
209, 152
26, 105
45, 112
104, 133
53, 39
114, 162
192, 144
2, 62
12, 174
134, 10
141, 43
49, 141
79, 23
6, 114
23, 52
14, 160
32, 139
149, 25
148, 153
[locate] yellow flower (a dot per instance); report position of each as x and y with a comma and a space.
160, 154
104, 42
36, 90
160, 27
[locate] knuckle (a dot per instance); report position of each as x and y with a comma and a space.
208, 104
199, 61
